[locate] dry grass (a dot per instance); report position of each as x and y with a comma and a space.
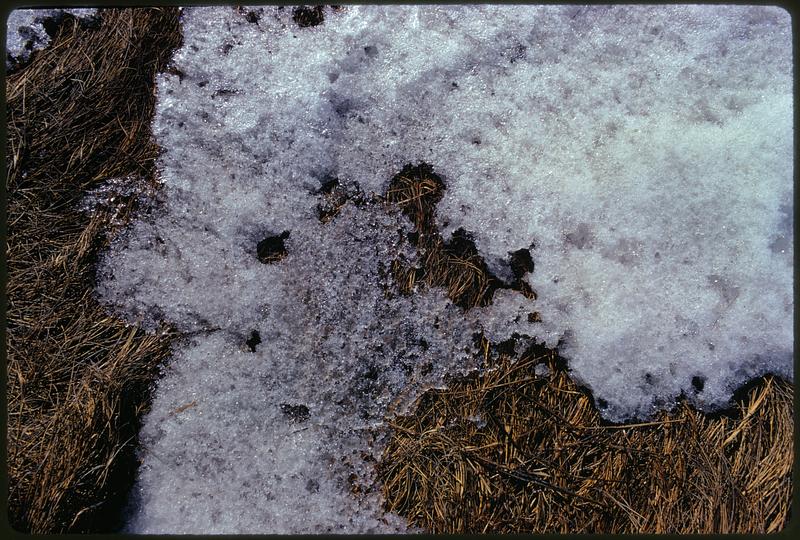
78, 379
540, 459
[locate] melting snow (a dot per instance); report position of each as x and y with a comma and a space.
25, 30
645, 153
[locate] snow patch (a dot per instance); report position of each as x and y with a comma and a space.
645, 153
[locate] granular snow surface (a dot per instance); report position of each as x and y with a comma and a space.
644, 155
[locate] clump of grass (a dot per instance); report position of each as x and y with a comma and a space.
78, 380
518, 450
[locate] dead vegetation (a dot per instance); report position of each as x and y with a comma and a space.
79, 113
513, 450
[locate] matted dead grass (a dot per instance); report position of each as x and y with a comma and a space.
513, 451
77, 114
508, 451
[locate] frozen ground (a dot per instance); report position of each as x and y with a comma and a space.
643, 153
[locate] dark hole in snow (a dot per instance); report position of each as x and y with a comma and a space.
602, 404
521, 262
698, 383
252, 17
328, 184
371, 51
296, 413
253, 340
648, 378
306, 16
506, 347
272, 248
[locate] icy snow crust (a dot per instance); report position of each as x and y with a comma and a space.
645, 153
25, 32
